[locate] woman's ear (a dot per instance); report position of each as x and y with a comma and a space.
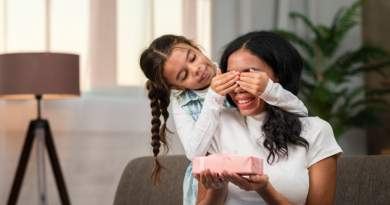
174, 87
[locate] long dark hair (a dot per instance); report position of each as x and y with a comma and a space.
152, 62
280, 127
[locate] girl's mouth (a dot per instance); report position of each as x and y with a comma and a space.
245, 103
205, 74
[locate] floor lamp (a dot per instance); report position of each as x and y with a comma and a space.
39, 76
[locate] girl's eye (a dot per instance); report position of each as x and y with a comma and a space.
193, 59
185, 75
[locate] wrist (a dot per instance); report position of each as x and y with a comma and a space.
266, 188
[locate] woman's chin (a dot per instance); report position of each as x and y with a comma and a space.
247, 112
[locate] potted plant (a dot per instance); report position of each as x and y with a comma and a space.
324, 88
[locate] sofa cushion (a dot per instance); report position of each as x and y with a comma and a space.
136, 186
363, 180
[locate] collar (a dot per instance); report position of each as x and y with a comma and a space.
186, 97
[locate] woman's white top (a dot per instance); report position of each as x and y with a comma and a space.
289, 176
196, 136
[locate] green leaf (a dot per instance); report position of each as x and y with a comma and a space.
342, 66
307, 22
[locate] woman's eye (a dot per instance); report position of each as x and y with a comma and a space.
185, 75
193, 59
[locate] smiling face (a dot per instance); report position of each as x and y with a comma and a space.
241, 61
188, 68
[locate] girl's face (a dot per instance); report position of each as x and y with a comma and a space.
188, 68
242, 61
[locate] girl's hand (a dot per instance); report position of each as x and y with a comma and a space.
254, 82
210, 180
254, 183
224, 83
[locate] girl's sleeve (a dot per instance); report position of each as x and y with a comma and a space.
274, 94
196, 136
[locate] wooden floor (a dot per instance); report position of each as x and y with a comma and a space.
92, 164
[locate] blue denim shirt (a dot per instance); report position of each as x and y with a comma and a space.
192, 104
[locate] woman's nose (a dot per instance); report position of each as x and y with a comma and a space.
239, 90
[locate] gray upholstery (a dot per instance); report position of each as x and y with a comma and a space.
360, 180
363, 180
136, 187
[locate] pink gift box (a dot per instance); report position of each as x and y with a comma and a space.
230, 162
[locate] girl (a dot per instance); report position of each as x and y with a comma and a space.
301, 152
175, 63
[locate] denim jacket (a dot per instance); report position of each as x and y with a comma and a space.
193, 104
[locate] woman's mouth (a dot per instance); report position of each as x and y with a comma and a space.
245, 103
205, 74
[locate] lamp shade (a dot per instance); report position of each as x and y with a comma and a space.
51, 75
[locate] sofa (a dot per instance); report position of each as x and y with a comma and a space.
360, 180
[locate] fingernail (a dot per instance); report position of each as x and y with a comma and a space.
253, 177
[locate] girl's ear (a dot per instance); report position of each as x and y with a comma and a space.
174, 87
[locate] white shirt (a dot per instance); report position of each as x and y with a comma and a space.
290, 176
196, 136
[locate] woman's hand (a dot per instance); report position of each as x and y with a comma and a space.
210, 180
253, 82
224, 83
254, 183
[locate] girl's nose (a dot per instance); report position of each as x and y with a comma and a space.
195, 70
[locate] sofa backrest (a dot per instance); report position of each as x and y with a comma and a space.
136, 187
360, 180
363, 180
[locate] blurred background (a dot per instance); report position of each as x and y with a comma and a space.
97, 134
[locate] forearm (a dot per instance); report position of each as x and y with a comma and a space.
196, 135
276, 95
271, 196
214, 197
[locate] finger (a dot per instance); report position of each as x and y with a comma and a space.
228, 84
215, 177
223, 178
228, 75
196, 176
219, 72
209, 177
240, 181
253, 74
204, 180
249, 89
248, 79
262, 179
230, 89
246, 84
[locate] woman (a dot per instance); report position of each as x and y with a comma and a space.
300, 152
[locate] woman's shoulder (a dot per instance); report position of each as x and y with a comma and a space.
313, 127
